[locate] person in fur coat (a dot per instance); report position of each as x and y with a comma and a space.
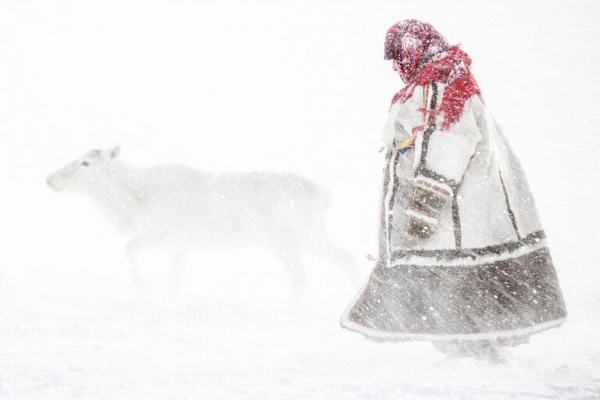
463, 259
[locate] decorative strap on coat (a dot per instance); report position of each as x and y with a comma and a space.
409, 143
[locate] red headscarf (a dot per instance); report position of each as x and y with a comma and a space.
423, 56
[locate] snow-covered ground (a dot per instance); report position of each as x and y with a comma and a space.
282, 86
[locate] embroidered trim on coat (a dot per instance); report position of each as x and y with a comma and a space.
450, 254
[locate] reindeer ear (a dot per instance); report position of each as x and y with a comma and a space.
114, 153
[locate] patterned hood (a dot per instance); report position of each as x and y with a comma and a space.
423, 56
414, 45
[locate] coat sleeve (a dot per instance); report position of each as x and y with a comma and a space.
393, 130
402, 117
441, 158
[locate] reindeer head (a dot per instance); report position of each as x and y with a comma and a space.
83, 172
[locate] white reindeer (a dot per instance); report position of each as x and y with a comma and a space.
179, 208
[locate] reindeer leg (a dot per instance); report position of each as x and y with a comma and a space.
324, 247
133, 248
178, 258
345, 262
295, 269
